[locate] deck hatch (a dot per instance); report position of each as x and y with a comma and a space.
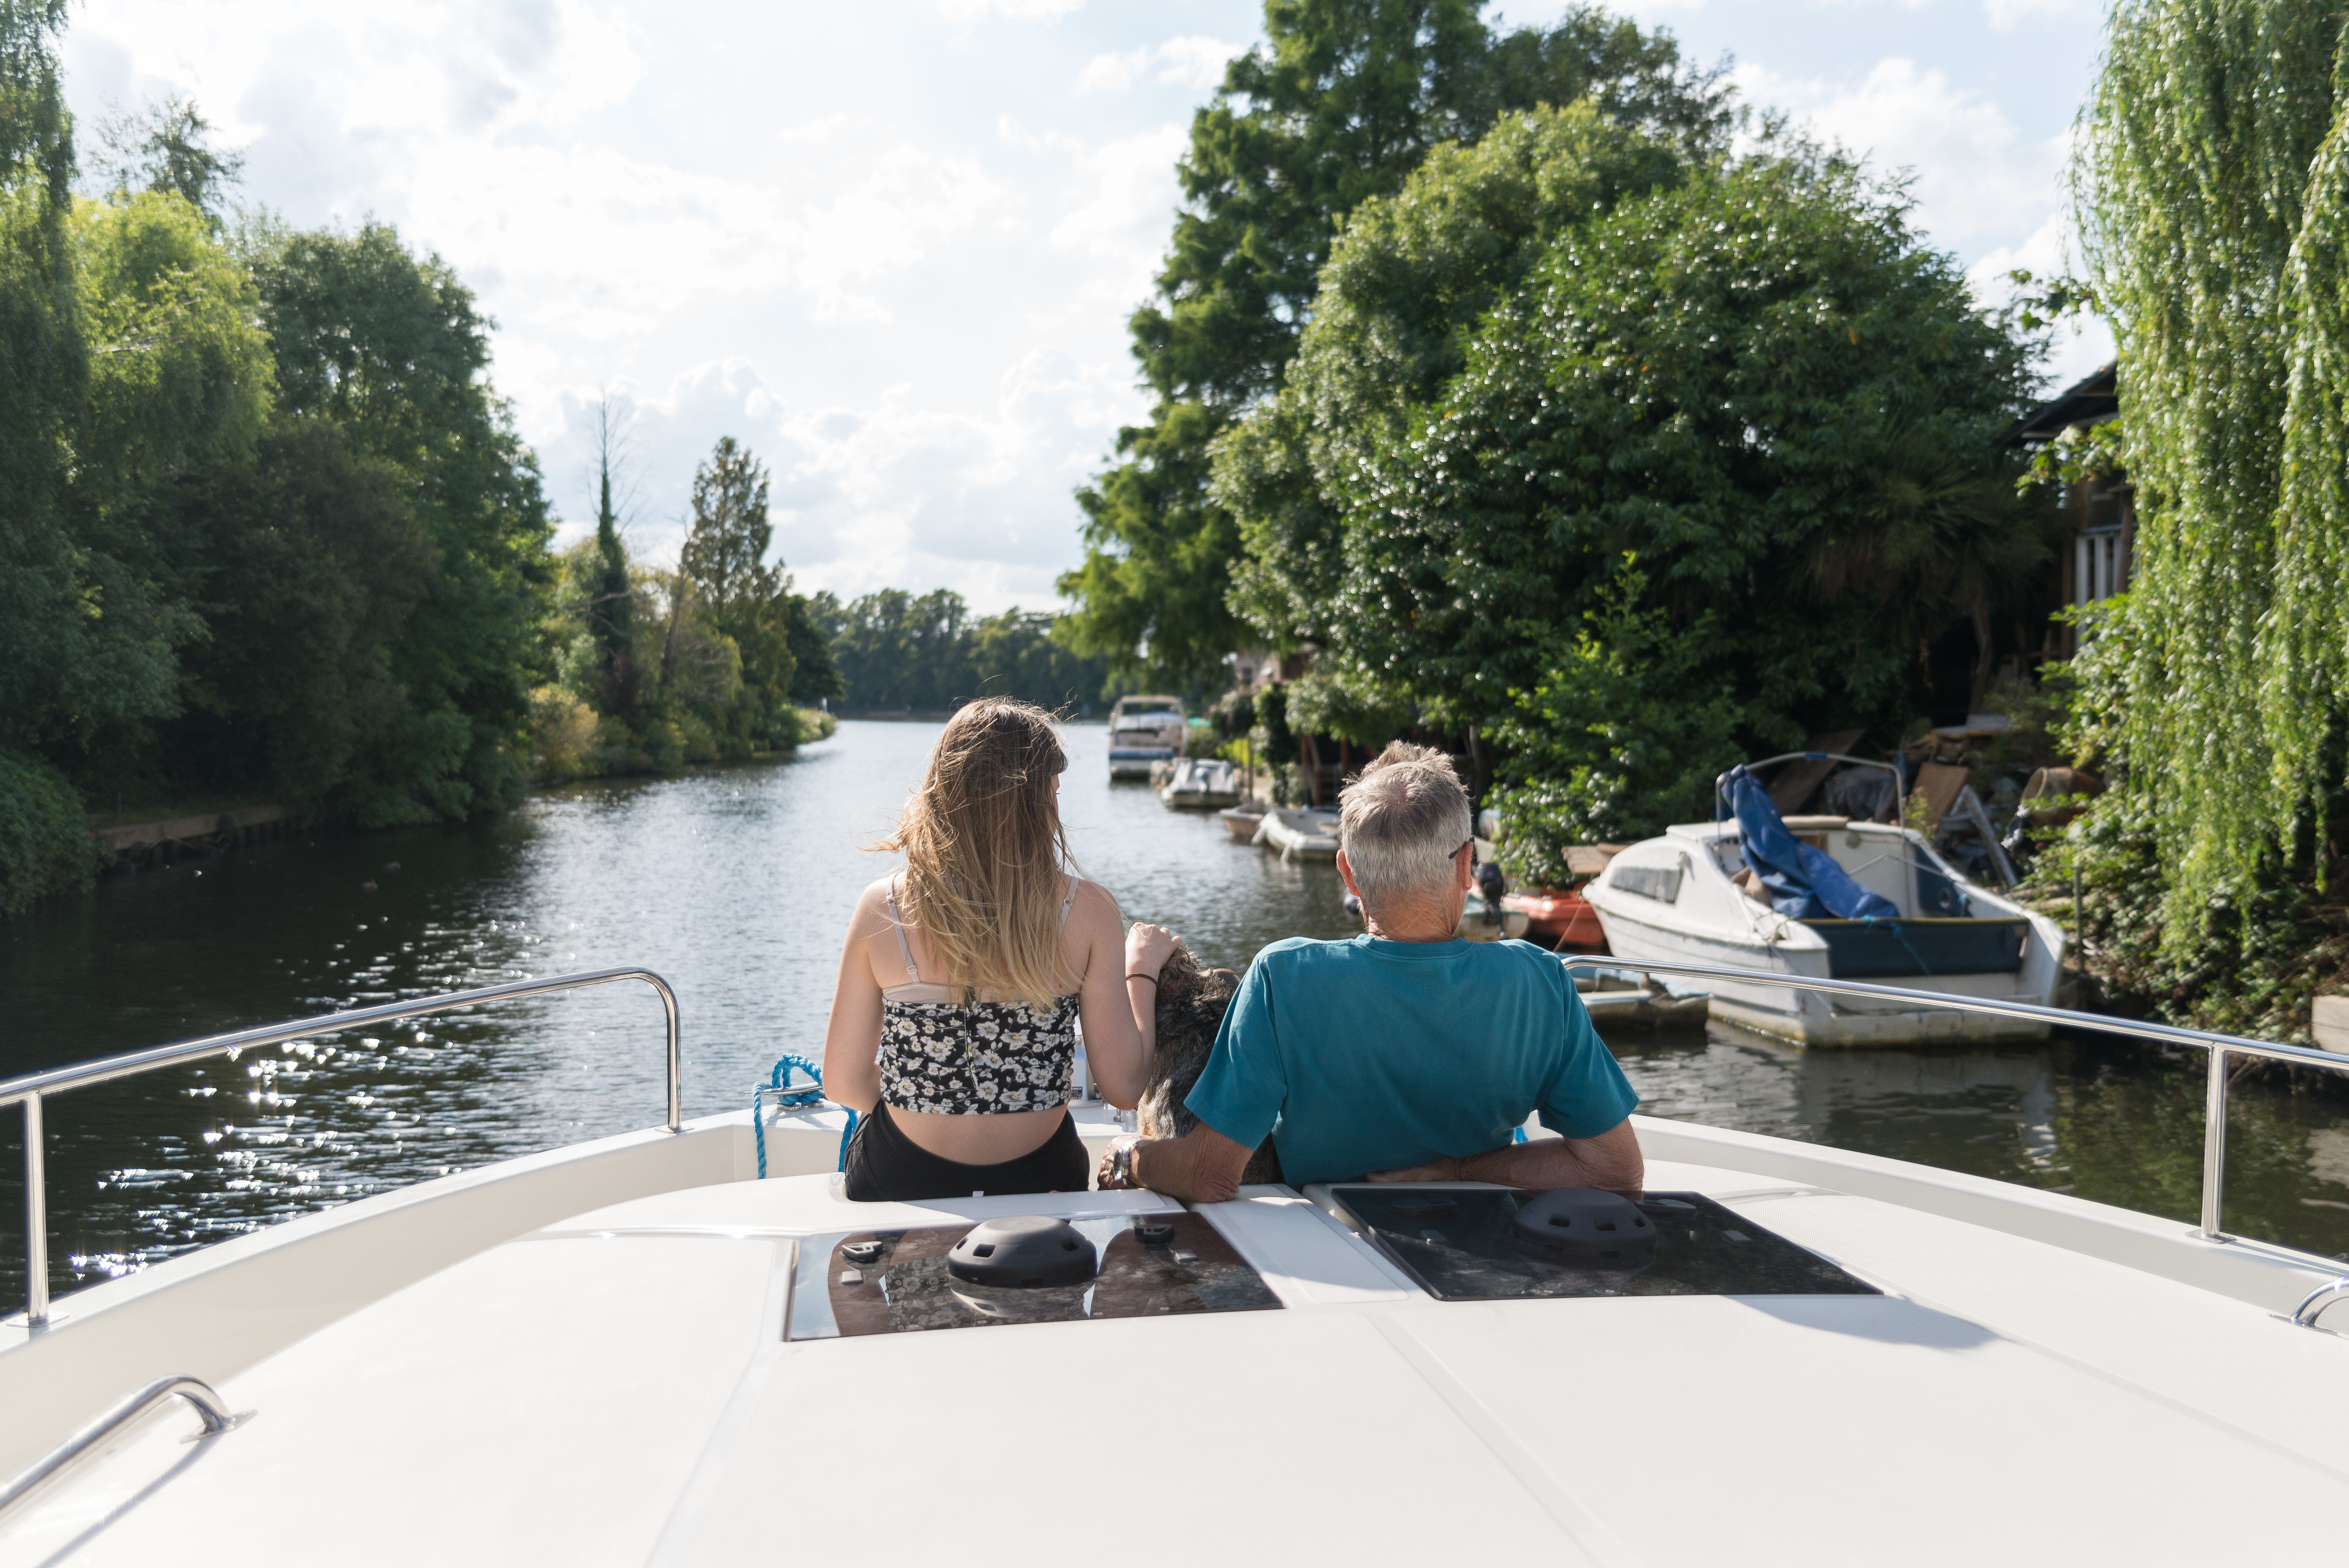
849, 1284
1700, 1248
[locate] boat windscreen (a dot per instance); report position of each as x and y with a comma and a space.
1461, 1244
899, 1282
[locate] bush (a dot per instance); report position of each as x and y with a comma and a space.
563, 743
45, 845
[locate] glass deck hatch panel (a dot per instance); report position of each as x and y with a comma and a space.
1457, 1243
848, 1284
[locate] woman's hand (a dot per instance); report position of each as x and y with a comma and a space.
1148, 947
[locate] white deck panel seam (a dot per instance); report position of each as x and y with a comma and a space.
1574, 1519
716, 1462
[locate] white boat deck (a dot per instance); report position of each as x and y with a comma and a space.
613, 1386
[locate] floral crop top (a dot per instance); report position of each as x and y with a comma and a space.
951, 1057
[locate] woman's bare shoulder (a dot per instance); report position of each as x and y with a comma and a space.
872, 910
1094, 902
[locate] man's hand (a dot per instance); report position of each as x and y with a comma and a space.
1444, 1170
1610, 1162
1202, 1166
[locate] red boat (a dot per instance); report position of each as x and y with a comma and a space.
1558, 919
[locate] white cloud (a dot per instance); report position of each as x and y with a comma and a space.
2008, 14
1982, 188
1128, 205
1194, 62
1978, 180
886, 494
1018, 10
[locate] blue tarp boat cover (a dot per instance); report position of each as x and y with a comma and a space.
1805, 882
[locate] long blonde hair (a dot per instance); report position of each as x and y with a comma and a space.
986, 862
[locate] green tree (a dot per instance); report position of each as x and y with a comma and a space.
1339, 105
1411, 276
724, 564
316, 560
1718, 376
389, 346
608, 601
1626, 728
64, 656
165, 148
896, 651
2211, 180
1015, 655
814, 677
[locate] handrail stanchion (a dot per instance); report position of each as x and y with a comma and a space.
29, 1088
2214, 1144
36, 1221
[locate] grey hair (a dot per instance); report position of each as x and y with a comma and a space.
1402, 821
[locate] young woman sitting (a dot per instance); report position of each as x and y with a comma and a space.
953, 1030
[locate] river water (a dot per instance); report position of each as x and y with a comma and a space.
736, 884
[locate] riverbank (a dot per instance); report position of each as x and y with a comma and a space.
569, 741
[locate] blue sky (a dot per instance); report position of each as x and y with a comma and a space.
892, 246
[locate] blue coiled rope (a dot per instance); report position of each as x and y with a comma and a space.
811, 1093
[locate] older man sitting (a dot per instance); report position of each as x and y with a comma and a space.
1404, 1054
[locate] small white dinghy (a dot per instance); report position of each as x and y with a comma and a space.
1679, 898
1310, 835
1201, 784
1241, 821
615, 1353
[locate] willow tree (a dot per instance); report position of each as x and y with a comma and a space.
2210, 183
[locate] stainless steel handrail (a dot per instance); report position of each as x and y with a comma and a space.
2219, 1047
2311, 1305
30, 1087
210, 1407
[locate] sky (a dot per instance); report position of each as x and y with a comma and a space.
892, 246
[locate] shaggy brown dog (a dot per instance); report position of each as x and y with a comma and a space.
1191, 1003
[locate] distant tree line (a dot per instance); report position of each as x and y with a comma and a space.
900, 653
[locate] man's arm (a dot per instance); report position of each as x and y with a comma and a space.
1202, 1166
1611, 1161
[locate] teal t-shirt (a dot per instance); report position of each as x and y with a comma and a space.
1369, 1055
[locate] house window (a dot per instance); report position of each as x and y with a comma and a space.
2099, 565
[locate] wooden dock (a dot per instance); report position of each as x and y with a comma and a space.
143, 844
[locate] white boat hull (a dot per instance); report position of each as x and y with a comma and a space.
1300, 835
1711, 922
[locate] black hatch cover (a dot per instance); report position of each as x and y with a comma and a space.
979, 1275
1487, 1244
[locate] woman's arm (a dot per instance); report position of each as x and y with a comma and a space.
1118, 998
852, 1040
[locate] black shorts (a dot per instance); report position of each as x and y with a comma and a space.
883, 1165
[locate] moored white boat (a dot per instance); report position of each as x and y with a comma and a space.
1675, 898
1199, 784
1144, 730
1300, 835
1241, 821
